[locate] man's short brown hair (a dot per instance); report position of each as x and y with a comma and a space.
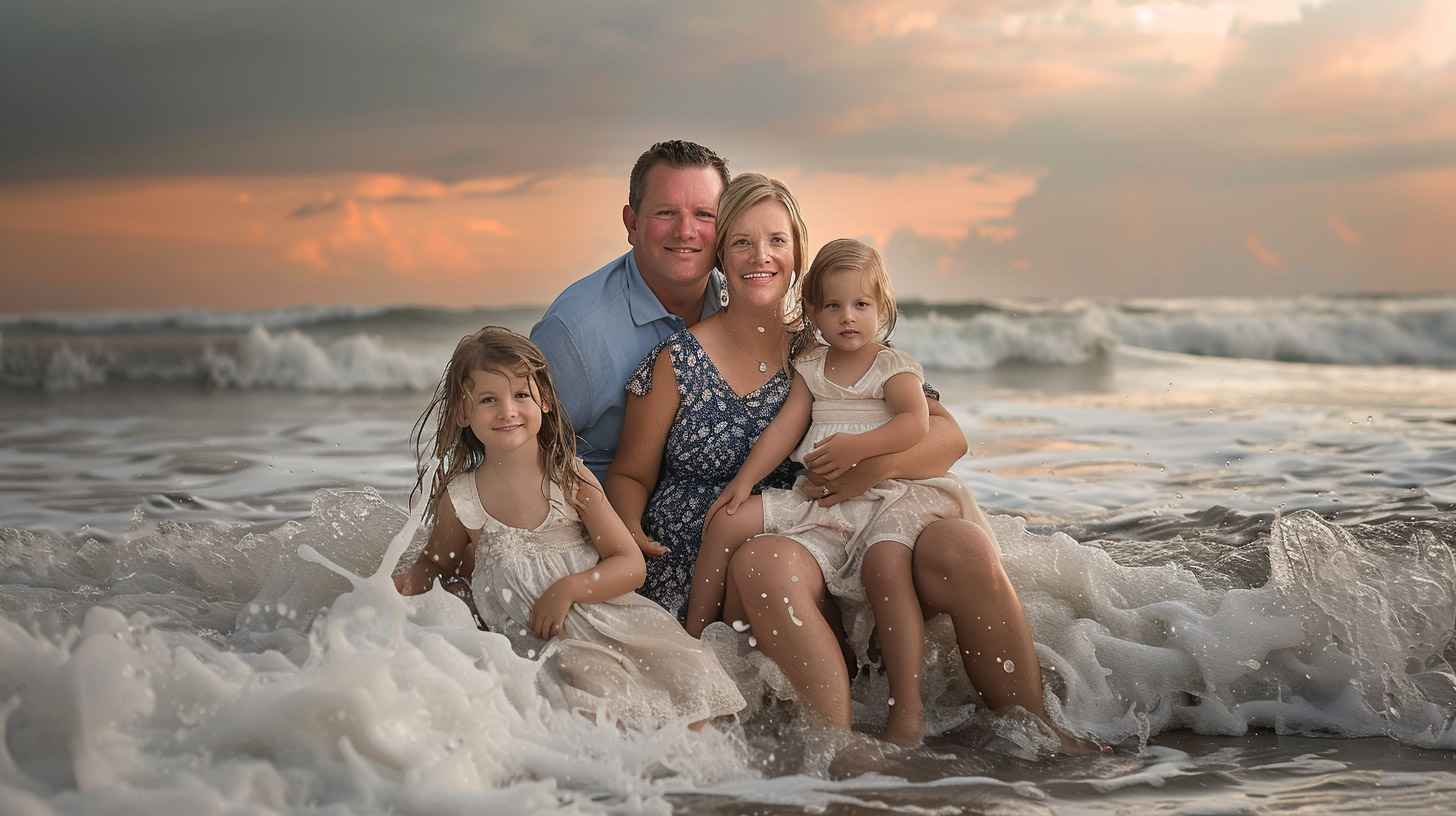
674, 153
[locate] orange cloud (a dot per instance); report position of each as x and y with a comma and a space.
1344, 231
1265, 255
307, 252
393, 186
1391, 69
944, 202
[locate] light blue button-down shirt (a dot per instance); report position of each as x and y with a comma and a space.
594, 335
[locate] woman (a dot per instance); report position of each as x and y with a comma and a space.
681, 445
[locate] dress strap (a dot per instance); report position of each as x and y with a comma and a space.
465, 497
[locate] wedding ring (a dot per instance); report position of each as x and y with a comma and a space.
826, 491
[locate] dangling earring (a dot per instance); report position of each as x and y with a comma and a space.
723, 297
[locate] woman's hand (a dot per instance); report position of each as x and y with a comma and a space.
548, 614
834, 455
855, 481
733, 495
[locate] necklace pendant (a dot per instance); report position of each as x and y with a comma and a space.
762, 368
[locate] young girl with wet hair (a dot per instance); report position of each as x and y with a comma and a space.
549, 564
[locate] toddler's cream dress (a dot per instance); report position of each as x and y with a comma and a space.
893, 510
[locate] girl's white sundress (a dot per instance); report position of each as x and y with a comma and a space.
893, 510
625, 656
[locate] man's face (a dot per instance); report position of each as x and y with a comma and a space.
672, 233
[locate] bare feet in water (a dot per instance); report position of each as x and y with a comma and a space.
906, 726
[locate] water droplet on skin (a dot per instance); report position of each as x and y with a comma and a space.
596, 575
740, 626
763, 595
753, 641
1009, 666
794, 579
892, 701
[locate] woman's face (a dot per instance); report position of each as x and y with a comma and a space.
758, 255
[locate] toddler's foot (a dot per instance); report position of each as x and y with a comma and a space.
906, 726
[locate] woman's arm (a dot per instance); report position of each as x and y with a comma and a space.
620, 571
842, 451
448, 553
633, 472
933, 456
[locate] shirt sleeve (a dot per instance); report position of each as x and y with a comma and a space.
568, 369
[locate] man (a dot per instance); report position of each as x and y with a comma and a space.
601, 327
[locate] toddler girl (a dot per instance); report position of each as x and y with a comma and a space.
548, 562
865, 399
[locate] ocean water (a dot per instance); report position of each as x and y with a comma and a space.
1230, 522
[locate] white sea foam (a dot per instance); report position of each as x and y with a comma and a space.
294, 361
212, 320
127, 683
330, 349
1396, 331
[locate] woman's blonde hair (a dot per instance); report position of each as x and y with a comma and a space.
456, 446
741, 194
849, 255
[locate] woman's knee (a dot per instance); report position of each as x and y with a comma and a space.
773, 563
958, 551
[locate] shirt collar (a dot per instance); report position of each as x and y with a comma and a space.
646, 308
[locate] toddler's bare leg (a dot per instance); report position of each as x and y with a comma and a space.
887, 578
710, 573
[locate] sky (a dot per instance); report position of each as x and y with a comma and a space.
230, 154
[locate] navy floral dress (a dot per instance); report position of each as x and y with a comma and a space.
709, 441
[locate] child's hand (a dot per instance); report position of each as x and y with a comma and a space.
649, 546
548, 614
733, 495
834, 455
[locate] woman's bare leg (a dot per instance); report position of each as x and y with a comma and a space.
886, 574
957, 571
784, 599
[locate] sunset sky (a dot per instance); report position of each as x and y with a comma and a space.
163, 154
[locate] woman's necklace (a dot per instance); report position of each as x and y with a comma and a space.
762, 365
